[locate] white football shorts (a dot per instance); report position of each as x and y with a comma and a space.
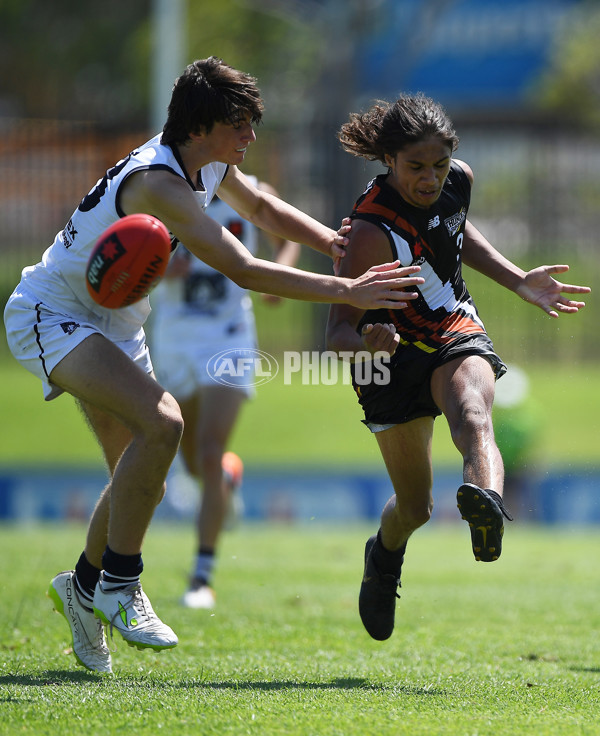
40, 338
182, 351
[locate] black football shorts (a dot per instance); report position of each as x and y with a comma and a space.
406, 393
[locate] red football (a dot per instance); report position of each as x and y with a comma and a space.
128, 261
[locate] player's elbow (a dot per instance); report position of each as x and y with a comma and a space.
247, 274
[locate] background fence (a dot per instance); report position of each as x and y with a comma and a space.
536, 197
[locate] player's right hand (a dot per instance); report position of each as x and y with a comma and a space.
385, 286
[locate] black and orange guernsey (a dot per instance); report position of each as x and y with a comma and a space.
431, 238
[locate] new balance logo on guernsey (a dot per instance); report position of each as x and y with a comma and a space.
434, 222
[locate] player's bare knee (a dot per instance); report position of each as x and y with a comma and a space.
160, 432
474, 422
169, 423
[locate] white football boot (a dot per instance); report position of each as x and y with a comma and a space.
89, 643
199, 596
130, 612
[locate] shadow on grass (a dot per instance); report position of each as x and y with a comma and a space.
62, 677
338, 683
52, 677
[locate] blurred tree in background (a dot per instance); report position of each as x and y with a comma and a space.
266, 39
570, 86
70, 60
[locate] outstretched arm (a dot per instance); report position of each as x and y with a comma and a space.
284, 252
536, 286
277, 217
168, 197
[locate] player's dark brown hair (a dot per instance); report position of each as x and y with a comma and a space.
210, 91
387, 128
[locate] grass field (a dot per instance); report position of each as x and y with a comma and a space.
479, 650
295, 424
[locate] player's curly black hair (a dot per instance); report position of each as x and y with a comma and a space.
208, 92
387, 128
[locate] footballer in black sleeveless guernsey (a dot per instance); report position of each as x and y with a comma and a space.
442, 361
443, 322
430, 238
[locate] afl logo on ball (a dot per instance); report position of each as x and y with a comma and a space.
109, 252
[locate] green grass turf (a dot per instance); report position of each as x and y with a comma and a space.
479, 649
298, 425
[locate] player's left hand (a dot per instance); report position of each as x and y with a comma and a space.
380, 337
539, 288
338, 247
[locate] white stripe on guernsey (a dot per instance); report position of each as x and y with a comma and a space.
435, 292
403, 252
469, 309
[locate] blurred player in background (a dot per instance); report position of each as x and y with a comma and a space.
99, 355
197, 313
442, 359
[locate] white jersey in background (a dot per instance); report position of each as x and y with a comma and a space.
206, 294
196, 316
